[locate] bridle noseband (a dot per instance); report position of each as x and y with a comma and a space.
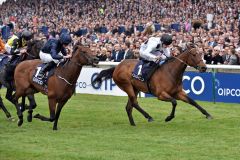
188, 51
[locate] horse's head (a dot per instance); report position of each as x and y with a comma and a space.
195, 58
85, 56
33, 49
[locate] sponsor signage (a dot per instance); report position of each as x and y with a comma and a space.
221, 87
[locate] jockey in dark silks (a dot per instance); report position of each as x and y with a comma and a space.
50, 53
15, 46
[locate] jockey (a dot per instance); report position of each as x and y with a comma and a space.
50, 53
16, 42
14, 47
156, 49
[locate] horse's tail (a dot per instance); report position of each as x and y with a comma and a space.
103, 75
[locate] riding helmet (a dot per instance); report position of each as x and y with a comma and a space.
27, 35
166, 39
65, 38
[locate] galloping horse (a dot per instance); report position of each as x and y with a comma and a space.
165, 83
61, 85
33, 49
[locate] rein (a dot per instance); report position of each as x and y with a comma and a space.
182, 60
64, 79
34, 57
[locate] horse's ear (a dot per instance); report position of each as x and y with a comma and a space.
180, 49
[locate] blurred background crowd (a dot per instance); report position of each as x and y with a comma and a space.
115, 29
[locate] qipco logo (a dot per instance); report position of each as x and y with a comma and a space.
195, 81
108, 84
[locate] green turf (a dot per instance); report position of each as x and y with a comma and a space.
96, 128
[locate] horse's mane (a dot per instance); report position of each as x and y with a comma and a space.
84, 48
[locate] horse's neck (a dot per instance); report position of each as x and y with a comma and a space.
70, 71
177, 67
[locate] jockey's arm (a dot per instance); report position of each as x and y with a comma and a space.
64, 51
146, 52
14, 49
54, 53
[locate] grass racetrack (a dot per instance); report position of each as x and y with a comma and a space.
95, 127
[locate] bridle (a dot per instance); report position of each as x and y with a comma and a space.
76, 63
188, 51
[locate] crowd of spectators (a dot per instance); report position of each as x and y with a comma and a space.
115, 29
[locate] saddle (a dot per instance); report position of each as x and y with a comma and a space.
144, 70
3, 60
47, 75
43, 81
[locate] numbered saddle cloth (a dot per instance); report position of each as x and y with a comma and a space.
144, 70
47, 75
3, 60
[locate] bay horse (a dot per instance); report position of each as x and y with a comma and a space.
61, 85
165, 83
33, 50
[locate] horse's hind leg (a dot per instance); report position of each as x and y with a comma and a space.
8, 115
59, 108
132, 102
144, 113
129, 108
182, 96
19, 113
32, 105
52, 107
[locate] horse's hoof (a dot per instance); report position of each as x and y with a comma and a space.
11, 119
133, 124
36, 115
8, 116
169, 118
209, 117
20, 122
150, 120
55, 128
29, 118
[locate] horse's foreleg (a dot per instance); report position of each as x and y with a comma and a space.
59, 108
184, 97
172, 114
166, 97
8, 115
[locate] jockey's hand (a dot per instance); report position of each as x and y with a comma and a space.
158, 59
23, 51
67, 56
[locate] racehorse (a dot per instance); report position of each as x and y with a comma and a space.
33, 50
165, 83
61, 85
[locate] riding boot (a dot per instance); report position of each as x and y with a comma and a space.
45, 68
